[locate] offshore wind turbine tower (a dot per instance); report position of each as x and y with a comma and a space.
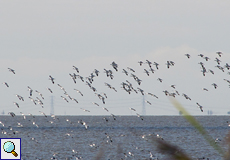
52, 106
143, 105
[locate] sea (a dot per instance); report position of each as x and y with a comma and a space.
114, 137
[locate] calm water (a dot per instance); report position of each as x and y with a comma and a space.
57, 138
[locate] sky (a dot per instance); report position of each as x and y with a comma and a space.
43, 38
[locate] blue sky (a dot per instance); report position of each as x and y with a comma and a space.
44, 38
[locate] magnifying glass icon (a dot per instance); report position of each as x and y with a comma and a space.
9, 147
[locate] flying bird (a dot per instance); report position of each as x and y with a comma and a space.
11, 70
12, 114
159, 79
76, 69
201, 108
114, 65
50, 90
30, 90
5, 84
16, 104
140, 62
43, 113
201, 55
146, 71
206, 58
124, 71
215, 85
64, 99
148, 102
132, 109
78, 92
130, 69
187, 55
51, 78
156, 64
219, 53
95, 103
85, 110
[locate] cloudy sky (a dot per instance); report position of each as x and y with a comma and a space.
43, 38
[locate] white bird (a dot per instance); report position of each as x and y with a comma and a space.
2, 124
35, 124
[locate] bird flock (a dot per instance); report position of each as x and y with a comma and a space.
132, 85
131, 88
